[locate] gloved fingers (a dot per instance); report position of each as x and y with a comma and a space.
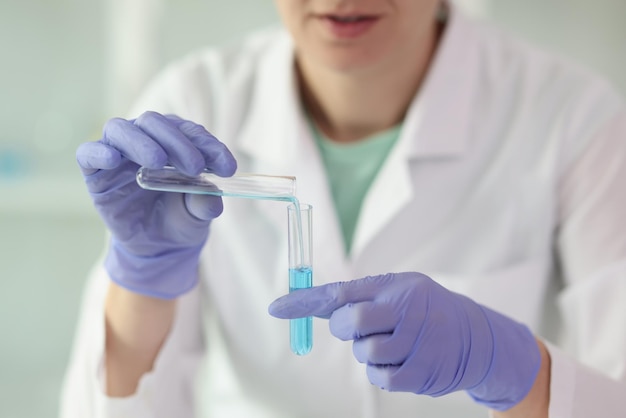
204, 207
133, 143
181, 152
302, 303
218, 158
94, 156
384, 349
322, 301
104, 181
355, 320
383, 376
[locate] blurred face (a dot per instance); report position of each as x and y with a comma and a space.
349, 35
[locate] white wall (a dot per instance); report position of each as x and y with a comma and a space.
591, 32
67, 66
60, 64
148, 33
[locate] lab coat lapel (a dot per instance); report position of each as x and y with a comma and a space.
277, 139
390, 191
435, 128
267, 140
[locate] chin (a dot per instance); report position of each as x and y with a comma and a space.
351, 60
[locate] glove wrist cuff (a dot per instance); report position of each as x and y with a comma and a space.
166, 276
515, 364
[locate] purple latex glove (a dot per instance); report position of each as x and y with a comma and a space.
416, 336
156, 236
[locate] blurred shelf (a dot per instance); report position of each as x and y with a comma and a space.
55, 196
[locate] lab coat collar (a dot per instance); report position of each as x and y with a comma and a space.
278, 140
272, 129
438, 119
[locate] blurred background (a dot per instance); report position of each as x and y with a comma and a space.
69, 65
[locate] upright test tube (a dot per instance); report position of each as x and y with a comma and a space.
299, 218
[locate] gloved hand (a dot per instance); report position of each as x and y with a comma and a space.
156, 236
416, 336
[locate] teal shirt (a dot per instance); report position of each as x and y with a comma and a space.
351, 169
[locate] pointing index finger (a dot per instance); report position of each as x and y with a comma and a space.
322, 301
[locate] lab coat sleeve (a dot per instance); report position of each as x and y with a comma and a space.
166, 391
184, 88
588, 375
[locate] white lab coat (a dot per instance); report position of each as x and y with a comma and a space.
506, 184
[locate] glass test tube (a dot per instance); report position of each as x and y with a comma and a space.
299, 218
252, 186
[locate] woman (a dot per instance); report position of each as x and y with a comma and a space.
468, 234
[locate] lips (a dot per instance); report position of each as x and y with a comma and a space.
348, 26
348, 19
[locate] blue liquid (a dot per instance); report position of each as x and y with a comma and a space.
301, 329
